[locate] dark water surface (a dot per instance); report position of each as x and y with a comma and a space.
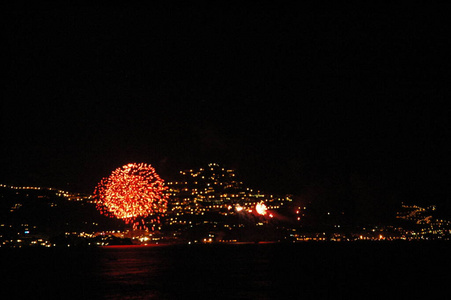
268, 271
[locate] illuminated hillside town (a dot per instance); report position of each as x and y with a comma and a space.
206, 205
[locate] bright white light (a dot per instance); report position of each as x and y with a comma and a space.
261, 208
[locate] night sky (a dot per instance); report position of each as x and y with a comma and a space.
294, 98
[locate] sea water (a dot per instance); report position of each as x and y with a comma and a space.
350, 270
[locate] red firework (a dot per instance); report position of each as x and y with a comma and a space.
132, 191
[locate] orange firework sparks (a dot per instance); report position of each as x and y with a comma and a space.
131, 192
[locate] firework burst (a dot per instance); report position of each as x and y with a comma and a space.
131, 193
261, 208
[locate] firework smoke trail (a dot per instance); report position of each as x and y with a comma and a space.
132, 192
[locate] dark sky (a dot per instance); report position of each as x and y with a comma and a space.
292, 97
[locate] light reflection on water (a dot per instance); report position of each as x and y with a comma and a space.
129, 272
278, 271
313, 271
175, 272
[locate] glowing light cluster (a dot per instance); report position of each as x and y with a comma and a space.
261, 208
132, 193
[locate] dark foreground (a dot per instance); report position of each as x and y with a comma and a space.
270, 271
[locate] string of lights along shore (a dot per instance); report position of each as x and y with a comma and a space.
134, 205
